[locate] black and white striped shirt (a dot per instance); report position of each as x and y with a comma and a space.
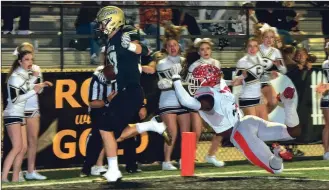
99, 87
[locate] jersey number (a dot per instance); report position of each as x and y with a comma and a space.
112, 57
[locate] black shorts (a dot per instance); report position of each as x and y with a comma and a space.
12, 120
122, 109
173, 110
32, 113
248, 102
324, 104
96, 116
265, 84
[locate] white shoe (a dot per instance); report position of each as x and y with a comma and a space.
34, 175
24, 32
326, 156
97, 170
214, 161
168, 166
113, 175
21, 177
160, 127
8, 32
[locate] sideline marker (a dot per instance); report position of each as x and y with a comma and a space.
188, 153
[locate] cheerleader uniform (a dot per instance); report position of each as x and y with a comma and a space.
20, 89
168, 102
325, 98
32, 104
270, 54
251, 89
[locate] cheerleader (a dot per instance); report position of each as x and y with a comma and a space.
204, 47
324, 90
170, 109
272, 62
32, 118
250, 95
20, 89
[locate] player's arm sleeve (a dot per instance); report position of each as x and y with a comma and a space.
184, 98
17, 93
282, 67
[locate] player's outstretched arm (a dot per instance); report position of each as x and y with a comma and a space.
184, 98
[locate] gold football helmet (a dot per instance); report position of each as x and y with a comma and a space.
110, 18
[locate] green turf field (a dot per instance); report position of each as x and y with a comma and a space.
235, 175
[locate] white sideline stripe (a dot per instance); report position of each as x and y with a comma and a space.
177, 175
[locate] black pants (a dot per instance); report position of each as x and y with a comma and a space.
95, 145
95, 142
9, 13
122, 111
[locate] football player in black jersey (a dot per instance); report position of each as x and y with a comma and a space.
123, 52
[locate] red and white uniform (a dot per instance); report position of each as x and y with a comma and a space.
249, 132
198, 68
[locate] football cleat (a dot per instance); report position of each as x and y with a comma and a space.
113, 176
162, 129
288, 93
281, 151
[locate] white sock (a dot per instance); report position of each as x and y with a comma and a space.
292, 119
276, 163
145, 126
152, 125
113, 163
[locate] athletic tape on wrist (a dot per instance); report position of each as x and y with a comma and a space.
132, 47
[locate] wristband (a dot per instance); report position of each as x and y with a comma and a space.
106, 101
132, 47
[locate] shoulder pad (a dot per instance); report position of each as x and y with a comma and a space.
133, 32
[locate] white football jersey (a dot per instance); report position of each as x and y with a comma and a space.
252, 86
270, 54
33, 102
19, 89
325, 68
225, 113
165, 64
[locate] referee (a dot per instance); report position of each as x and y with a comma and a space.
101, 92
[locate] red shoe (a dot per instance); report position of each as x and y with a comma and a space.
287, 93
282, 152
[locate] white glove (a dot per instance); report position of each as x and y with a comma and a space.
125, 40
176, 69
164, 84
